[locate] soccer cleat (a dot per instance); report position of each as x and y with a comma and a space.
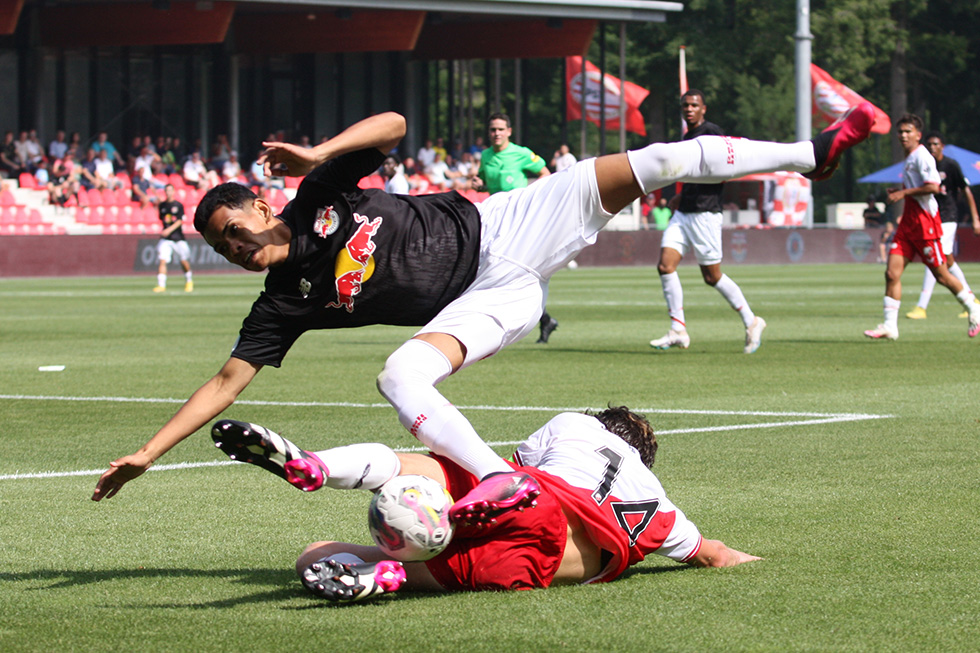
548, 324
189, 286
849, 130
258, 445
496, 494
753, 335
966, 314
917, 313
672, 339
882, 331
974, 327
160, 289
337, 581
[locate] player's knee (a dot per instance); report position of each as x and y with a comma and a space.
415, 363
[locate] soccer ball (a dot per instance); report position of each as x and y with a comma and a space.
409, 518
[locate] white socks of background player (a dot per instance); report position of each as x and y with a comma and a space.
674, 295
408, 382
162, 280
891, 313
714, 159
363, 466
733, 294
929, 284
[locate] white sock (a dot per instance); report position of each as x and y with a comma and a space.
363, 466
714, 159
674, 295
957, 272
189, 276
928, 285
408, 383
891, 312
967, 299
162, 280
731, 292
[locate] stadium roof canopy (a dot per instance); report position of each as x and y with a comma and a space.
428, 29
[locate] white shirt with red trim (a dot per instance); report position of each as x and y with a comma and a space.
620, 501
921, 213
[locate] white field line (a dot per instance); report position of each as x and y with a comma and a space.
812, 419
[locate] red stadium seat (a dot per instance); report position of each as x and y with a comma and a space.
7, 198
27, 180
127, 183
94, 197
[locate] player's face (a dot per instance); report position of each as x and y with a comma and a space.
247, 237
499, 133
692, 110
935, 147
908, 136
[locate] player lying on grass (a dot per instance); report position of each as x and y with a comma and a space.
473, 276
600, 510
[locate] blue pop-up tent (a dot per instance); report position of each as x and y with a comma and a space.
969, 161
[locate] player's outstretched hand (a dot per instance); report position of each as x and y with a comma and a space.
120, 471
286, 159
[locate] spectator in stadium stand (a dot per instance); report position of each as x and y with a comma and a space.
563, 158
88, 175
102, 143
168, 161
476, 149
438, 172
9, 159
196, 174
144, 168
232, 169
105, 171
133, 153
28, 152
41, 176
75, 143
63, 183
220, 152
426, 154
256, 174
440, 148
395, 181
177, 147
58, 147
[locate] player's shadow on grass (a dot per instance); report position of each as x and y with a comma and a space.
283, 582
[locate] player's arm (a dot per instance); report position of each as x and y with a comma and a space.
204, 405
898, 194
383, 131
714, 553
172, 228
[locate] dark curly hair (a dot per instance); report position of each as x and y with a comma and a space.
230, 194
633, 428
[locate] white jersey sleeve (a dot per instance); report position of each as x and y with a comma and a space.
920, 169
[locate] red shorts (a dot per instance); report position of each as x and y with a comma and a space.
930, 251
524, 550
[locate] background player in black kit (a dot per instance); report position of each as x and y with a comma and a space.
696, 225
474, 275
172, 240
954, 191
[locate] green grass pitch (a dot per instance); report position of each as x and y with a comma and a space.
851, 466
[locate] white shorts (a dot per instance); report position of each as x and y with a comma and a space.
700, 232
949, 238
166, 249
526, 236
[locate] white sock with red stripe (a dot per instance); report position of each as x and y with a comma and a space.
362, 466
891, 312
733, 294
674, 296
408, 383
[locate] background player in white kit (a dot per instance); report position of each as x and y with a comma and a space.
953, 186
696, 226
919, 232
475, 277
600, 511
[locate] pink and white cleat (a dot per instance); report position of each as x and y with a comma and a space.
337, 581
496, 494
258, 445
882, 332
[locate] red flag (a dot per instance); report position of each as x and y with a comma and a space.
634, 96
831, 100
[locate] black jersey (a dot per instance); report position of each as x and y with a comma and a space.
950, 188
360, 257
171, 212
700, 198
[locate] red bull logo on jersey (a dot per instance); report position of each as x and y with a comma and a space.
354, 264
326, 222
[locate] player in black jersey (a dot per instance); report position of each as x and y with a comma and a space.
953, 189
473, 276
172, 240
696, 225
